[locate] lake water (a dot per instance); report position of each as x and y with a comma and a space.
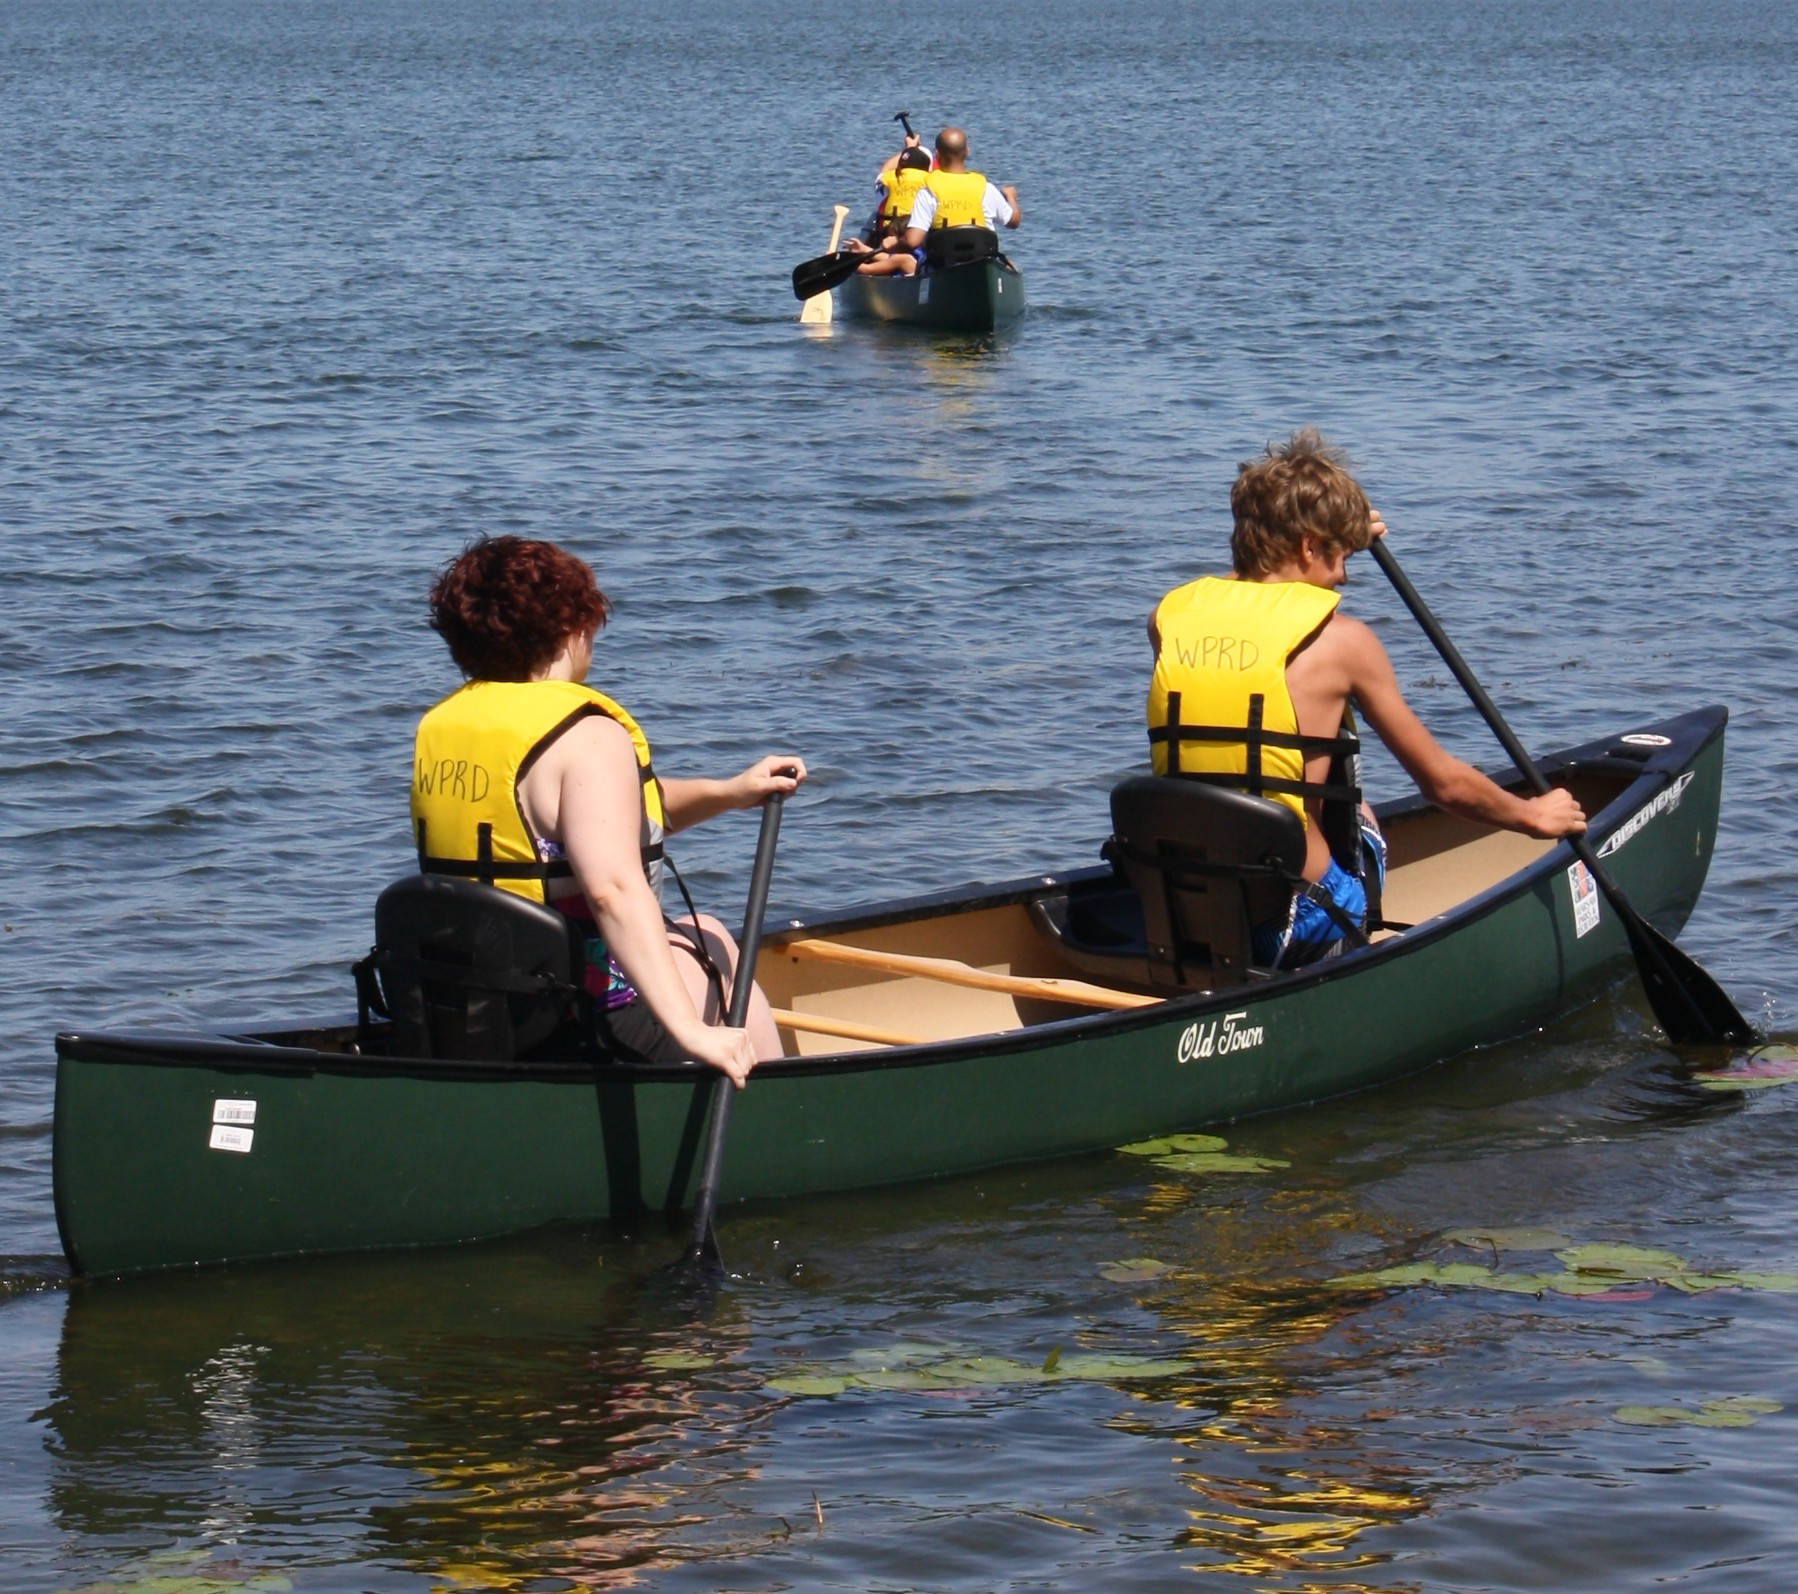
299, 297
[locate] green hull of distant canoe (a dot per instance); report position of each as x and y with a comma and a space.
974, 298
352, 1152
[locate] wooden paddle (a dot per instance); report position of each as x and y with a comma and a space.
950, 971
703, 1251
816, 309
819, 276
1690, 1005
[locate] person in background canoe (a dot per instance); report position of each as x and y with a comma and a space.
1265, 660
911, 145
883, 242
559, 776
953, 196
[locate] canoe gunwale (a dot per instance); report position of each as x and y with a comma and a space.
1688, 736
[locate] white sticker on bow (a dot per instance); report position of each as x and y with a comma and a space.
1585, 899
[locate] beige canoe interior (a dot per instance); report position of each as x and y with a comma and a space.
829, 1004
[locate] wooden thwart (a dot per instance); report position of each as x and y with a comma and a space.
844, 1029
951, 972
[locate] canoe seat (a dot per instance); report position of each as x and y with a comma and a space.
467, 971
946, 247
1207, 864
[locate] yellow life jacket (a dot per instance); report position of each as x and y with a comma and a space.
471, 751
902, 185
958, 198
1219, 709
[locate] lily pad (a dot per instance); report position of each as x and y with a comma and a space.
1168, 1145
1769, 1065
678, 1361
1133, 1270
1219, 1162
1737, 1411
947, 1373
1509, 1239
189, 1572
1773, 1283
809, 1384
1622, 1261
1106, 1368
1460, 1275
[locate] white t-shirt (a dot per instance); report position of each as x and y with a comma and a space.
993, 205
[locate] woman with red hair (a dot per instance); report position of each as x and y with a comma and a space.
544, 785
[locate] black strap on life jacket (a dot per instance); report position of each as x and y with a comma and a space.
1254, 736
484, 867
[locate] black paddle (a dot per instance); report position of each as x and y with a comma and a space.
1690, 1005
820, 275
703, 1252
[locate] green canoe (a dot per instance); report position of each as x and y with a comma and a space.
173, 1149
971, 298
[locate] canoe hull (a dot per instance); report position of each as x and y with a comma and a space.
975, 298
347, 1152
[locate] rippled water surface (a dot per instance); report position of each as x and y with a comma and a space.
300, 297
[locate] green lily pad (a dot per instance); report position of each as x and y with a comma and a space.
946, 1373
896, 1378
189, 1572
1737, 1411
1524, 1283
1133, 1270
678, 1361
905, 1353
1765, 1066
1773, 1283
808, 1384
1639, 1262
1578, 1284
1105, 1368
979, 1370
1219, 1162
1168, 1145
1509, 1239
1459, 1275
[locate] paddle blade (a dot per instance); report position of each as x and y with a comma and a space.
813, 277
1691, 1007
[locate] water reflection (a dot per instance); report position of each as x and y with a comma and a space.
1197, 1399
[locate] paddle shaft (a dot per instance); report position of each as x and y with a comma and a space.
704, 1247
949, 971
1690, 1005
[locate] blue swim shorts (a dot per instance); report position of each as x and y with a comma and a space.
1309, 932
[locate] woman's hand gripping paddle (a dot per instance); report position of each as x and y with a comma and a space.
1690, 1005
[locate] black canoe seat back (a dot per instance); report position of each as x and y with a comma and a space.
1208, 864
960, 246
467, 971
